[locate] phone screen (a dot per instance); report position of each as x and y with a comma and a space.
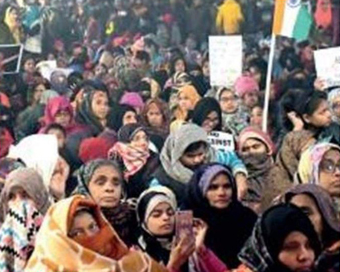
184, 225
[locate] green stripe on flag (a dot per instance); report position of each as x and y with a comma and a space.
303, 24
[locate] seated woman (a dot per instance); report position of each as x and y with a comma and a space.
24, 202
133, 154
102, 180
156, 215
208, 115
283, 240
317, 204
75, 237
320, 164
212, 195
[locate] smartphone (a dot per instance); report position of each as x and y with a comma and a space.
184, 225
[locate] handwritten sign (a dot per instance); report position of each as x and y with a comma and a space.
225, 60
327, 64
221, 141
10, 58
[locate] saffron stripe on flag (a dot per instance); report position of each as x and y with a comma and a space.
278, 16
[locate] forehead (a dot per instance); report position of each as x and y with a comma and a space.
140, 133
333, 154
153, 107
252, 141
227, 93
105, 170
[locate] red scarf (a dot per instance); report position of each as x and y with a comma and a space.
323, 14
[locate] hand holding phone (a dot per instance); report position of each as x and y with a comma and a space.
184, 226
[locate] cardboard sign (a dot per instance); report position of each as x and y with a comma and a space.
10, 58
225, 60
327, 64
221, 141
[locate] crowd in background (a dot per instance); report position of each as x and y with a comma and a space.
99, 152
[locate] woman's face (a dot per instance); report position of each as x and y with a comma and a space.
256, 117
180, 66
13, 16
228, 102
105, 186
18, 193
296, 253
206, 69
211, 122
63, 118
84, 225
161, 220
308, 206
220, 193
100, 105
29, 66
140, 141
38, 91
329, 174
130, 117
253, 147
336, 107
184, 102
322, 116
251, 99
154, 116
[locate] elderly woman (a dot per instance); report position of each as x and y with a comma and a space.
24, 202
212, 195
75, 237
283, 240
134, 156
320, 164
102, 180
317, 204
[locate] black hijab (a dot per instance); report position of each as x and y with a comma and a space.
229, 228
262, 249
116, 116
203, 108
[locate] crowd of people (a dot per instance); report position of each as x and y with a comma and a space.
105, 140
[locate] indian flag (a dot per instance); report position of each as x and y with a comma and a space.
292, 19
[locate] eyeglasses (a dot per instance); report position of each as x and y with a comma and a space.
329, 166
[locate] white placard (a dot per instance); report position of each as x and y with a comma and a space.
225, 60
221, 141
327, 64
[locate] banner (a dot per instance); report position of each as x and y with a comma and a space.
221, 141
327, 64
225, 60
10, 58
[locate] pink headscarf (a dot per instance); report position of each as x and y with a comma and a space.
54, 106
246, 84
132, 99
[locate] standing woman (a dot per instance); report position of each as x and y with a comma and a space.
24, 202
102, 180
212, 195
133, 154
283, 240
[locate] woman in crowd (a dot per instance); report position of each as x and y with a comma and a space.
75, 237
102, 180
156, 209
212, 196
208, 114
234, 118
283, 240
122, 116
334, 104
317, 204
133, 154
256, 150
24, 202
320, 164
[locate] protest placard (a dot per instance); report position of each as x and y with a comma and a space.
221, 141
225, 60
10, 58
327, 64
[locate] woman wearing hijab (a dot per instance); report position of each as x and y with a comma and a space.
133, 154
102, 180
320, 164
283, 240
24, 202
40, 152
317, 204
156, 119
10, 26
207, 114
212, 196
156, 215
75, 237
334, 103
256, 150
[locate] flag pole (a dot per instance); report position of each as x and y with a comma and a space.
268, 83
